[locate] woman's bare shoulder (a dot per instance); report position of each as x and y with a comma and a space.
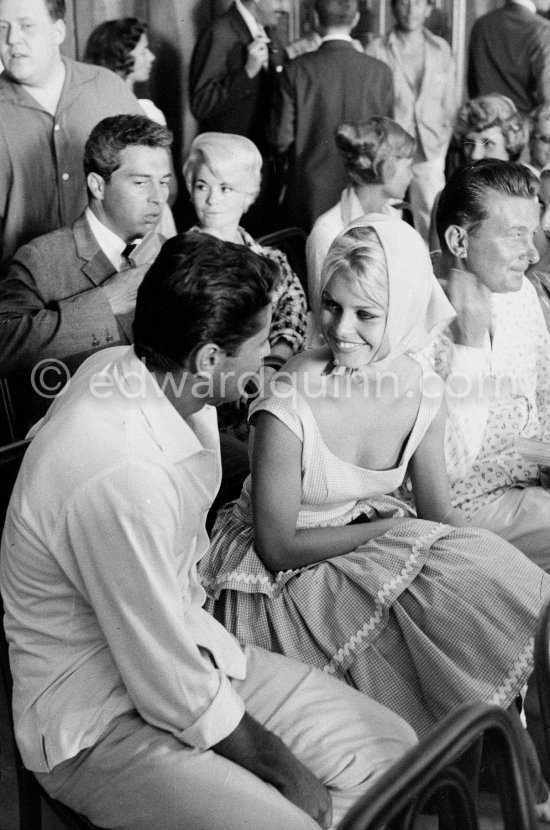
310, 363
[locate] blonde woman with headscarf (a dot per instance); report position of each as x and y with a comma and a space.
377, 155
319, 560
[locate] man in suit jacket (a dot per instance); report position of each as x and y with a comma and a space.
230, 82
317, 92
71, 292
510, 54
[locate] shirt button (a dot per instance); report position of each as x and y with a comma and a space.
65, 176
57, 127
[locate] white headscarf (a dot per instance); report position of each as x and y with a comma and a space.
417, 305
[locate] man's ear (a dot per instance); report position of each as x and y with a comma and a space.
59, 31
456, 238
96, 185
355, 20
206, 360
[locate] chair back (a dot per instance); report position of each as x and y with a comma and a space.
29, 792
292, 242
435, 777
542, 672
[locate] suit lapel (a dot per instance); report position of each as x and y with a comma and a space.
97, 266
236, 20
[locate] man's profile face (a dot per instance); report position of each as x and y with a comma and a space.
237, 369
501, 248
135, 195
29, 41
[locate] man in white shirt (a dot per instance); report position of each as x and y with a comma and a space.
424, 81
131, 703
495, 357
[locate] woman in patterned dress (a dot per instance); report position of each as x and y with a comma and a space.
318, 560
223, 176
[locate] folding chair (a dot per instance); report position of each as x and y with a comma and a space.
435, 777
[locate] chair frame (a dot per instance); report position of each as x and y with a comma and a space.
29, 792
296, 256
542, 670
438, 767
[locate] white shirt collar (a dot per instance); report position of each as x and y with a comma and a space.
252, 24
528, 4
336, 37
111, 244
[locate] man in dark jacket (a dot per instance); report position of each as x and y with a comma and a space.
318, 91
510, 54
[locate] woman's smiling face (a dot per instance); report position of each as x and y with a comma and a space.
353, 324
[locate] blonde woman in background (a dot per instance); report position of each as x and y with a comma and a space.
223, 177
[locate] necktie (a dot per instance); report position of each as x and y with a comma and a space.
126, 254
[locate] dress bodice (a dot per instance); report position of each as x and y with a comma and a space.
335, 491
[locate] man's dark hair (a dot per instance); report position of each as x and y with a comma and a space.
199, 290
336, 13
56, 9
112, 135
464, 199
112, 42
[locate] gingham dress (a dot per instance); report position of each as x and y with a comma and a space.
422, 618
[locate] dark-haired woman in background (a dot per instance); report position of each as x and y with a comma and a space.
123, 47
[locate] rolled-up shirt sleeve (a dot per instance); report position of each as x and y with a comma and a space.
465, 373
130, 542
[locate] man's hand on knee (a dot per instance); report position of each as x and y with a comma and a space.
252, 746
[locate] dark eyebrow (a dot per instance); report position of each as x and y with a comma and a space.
147, 175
